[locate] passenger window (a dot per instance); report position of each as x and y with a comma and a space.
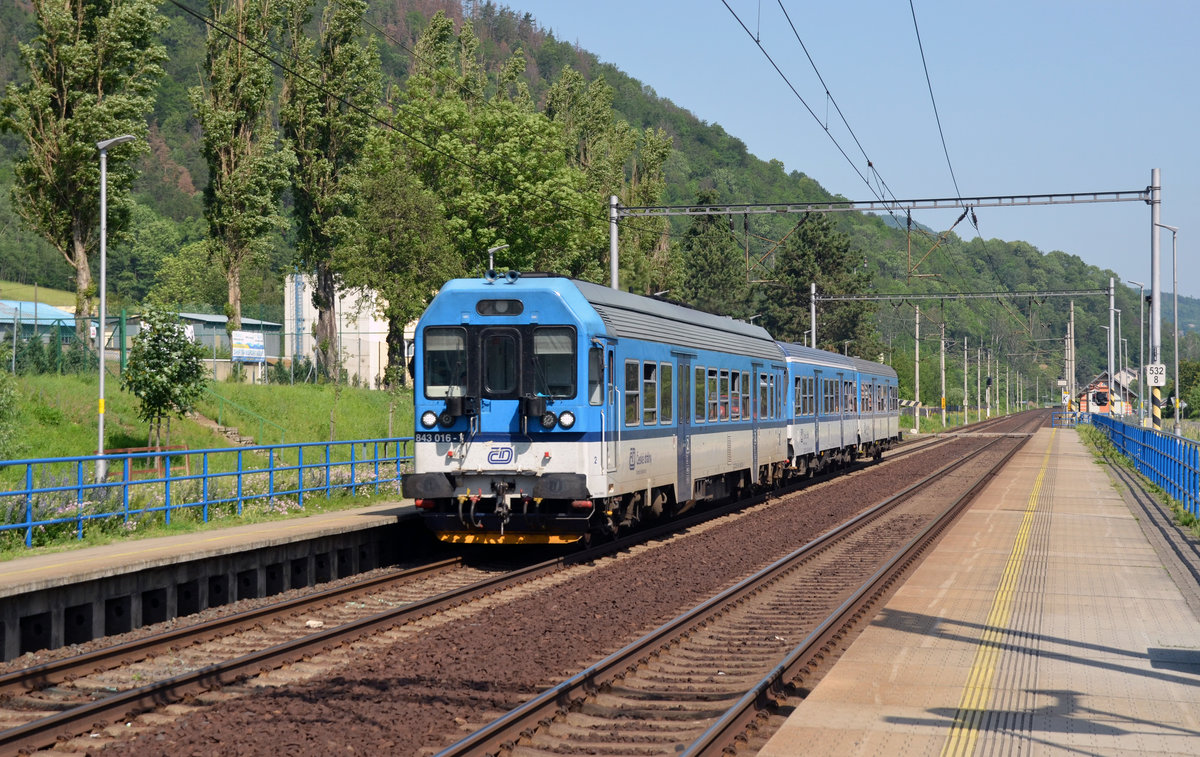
666, 392
649, 393
632, 382
596, 376
747, 408
724, 411
763, 396
735, 395
714, 399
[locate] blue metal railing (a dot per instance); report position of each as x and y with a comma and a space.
1171, 462
64, 492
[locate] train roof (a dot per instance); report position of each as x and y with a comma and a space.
878, 369
634, 316
823, 357
795, 351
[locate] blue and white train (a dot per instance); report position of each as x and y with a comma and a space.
549, 408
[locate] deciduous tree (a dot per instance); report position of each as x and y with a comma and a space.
328, 93
92, 71
400, 254
248, 168
165, 371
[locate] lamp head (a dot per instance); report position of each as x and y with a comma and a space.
104, 145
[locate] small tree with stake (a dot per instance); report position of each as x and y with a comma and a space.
165, 371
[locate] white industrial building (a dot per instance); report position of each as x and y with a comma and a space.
362, 341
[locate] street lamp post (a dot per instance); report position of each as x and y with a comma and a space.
1125, 371
1176, 426
1108, 340
1117, 346
1141, 351
492, 255
101, 464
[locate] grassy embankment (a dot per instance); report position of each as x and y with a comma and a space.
1103, 450
58, 419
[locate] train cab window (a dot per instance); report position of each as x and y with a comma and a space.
596, 376
501, 356
714, 399
666, 391
649, 393
632, 392
554, 361
698, 395
445, 362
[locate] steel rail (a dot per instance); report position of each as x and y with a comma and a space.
763, 695
68, 723
57, 671
504, 731
45, 731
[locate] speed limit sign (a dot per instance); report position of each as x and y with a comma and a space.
1156, 374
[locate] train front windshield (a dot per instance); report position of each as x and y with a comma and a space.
512, 361
445, 362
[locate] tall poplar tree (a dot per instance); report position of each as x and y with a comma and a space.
92, 71
331, 87
248, 169
616, 160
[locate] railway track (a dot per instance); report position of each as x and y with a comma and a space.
61, 699
698, 684
55, 702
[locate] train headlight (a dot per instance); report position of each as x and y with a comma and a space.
548, 420
446, 418
428, 419
566, 419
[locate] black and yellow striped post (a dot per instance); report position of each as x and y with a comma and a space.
1156, 410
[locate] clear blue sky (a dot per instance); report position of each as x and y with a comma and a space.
1034, 97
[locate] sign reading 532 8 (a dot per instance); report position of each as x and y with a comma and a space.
1156, 374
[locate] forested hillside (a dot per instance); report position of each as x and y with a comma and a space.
485, 130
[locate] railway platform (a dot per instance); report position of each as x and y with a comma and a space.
42, 571
51, 600
1047, 621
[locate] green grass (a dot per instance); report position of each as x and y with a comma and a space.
64, 538
309, 412
58, 418
59, 415
10, 290
1104, 452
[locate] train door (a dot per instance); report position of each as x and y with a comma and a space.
683, 415
612, 424
758, 403
500, 361
818, 410
840, 398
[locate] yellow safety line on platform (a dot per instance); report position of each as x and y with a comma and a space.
973, 704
